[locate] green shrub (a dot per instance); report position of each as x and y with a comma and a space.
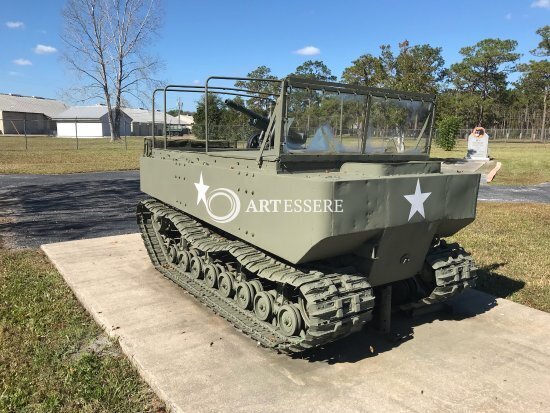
447, 132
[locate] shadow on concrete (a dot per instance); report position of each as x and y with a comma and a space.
62, 210
370, 343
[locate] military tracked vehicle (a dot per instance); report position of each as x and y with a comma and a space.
328, 216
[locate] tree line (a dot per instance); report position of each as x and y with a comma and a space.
105, 44
477, 90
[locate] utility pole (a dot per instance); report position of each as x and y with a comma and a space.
179, 110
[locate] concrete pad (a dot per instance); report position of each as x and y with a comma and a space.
490, 355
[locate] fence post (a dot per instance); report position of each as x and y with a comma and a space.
76, 131
25, 131
341, 115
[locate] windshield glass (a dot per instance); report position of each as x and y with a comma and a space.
320, 122
398, 126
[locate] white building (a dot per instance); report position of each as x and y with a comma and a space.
186, 120
89, 122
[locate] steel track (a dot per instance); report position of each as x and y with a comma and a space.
336, 304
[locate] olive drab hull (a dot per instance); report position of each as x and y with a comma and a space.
365, 211
298, 238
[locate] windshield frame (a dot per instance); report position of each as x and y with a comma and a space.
369, 92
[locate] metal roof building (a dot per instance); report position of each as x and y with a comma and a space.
28, 114
92, 121
142, 121
88, 122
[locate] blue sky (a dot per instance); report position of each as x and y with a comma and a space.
203, 38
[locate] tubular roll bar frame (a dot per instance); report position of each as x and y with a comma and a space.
200, 89
288, 82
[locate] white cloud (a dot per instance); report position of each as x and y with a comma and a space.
22, 62
15, 25
542, 4
43, 49
508, 16
196, 82
309, 50
13, 73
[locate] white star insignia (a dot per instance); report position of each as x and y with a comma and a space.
201, 191
417, 201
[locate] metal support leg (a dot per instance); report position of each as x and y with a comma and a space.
384, 315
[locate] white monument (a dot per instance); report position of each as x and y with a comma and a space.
478, 145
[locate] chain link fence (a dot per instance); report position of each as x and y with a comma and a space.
512, 135
36, 134
45, 134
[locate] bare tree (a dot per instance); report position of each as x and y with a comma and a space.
105, 43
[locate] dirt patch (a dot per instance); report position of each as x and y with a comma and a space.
101, 346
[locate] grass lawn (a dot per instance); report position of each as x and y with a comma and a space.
47, 155
522, 163
53, 357
510, 242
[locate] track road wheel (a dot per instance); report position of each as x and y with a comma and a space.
173, 254
290, 320
263, 306
256, 286
211, 272
226, 284
244, 294
185, 261
196, 267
